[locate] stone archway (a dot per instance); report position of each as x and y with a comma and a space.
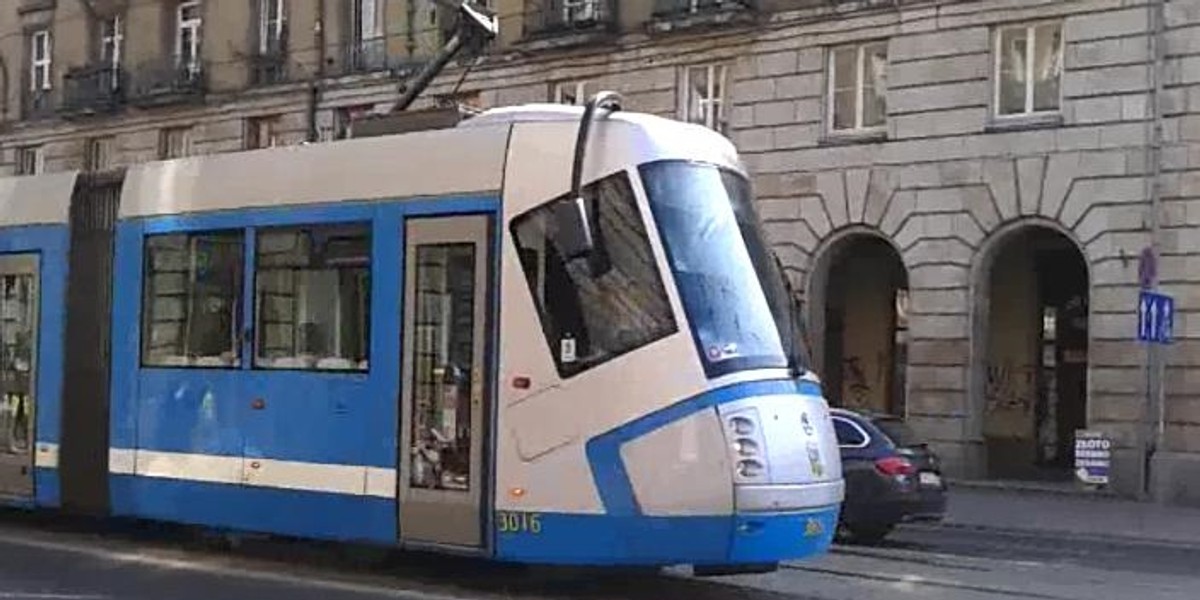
858, 303
1030, 351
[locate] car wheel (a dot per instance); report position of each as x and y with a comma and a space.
869, 534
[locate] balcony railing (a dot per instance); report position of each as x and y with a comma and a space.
37, 104
268, 68
365, 56
93, 89
673, 14
269, 63
562, 17
167, 81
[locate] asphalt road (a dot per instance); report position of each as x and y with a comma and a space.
56, 561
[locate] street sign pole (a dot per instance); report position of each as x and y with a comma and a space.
1147, 276
1155, 327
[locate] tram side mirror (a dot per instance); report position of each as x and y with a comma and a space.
574, 233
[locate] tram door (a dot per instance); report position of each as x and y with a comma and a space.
444, 392
18, 349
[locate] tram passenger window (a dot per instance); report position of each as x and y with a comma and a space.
312, 296
192, 299
588, 319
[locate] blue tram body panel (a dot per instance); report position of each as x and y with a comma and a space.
51, 243
310, 420
604, 451
563, 538
623, 535
337, 517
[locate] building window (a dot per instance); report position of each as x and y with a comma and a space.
192, 299
112, 39
704, 96
1028, 69
97, 154
368, 51
189, 37
29, 160
857, 80
174, 142
112, 42
571, 92
580, 11
40, 61
590, 317
270, 26
312, 297
261, 132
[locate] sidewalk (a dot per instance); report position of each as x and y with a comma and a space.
973, 506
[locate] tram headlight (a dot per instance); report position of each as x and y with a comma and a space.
747, 450
750, 469
745, 447
741, 426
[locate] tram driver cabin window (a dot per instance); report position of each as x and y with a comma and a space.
192, 303
589, 319
312, 289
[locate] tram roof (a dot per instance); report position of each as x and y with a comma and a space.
425, 163
36, 200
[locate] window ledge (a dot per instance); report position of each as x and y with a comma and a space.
727, 17
29, 6
552, 40
850, 137
997, 124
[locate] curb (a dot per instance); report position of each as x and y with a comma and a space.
1033, 490
1105, 538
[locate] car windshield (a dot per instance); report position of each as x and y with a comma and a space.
734, 294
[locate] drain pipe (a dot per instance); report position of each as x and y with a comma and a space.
318, 79
1155, 371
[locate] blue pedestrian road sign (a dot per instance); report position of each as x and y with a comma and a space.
1156, 317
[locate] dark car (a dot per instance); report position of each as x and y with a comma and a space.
891, 476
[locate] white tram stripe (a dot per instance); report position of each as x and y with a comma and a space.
353, 480
193, 467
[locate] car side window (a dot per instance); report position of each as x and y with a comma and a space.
849, 435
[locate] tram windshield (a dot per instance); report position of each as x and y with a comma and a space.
733, 291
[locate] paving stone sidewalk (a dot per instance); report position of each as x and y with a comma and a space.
1076, 514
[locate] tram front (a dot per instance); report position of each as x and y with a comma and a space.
786, 468
666, 412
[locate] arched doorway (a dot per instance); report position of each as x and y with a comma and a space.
861, 300
1033, 290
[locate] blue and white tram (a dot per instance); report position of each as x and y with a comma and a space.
441, 340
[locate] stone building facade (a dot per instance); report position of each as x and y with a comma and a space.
964, 191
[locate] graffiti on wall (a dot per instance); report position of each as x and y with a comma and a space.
857, 390
864, 382
1010, 388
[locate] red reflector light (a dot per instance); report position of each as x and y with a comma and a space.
894, 465
521, 383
